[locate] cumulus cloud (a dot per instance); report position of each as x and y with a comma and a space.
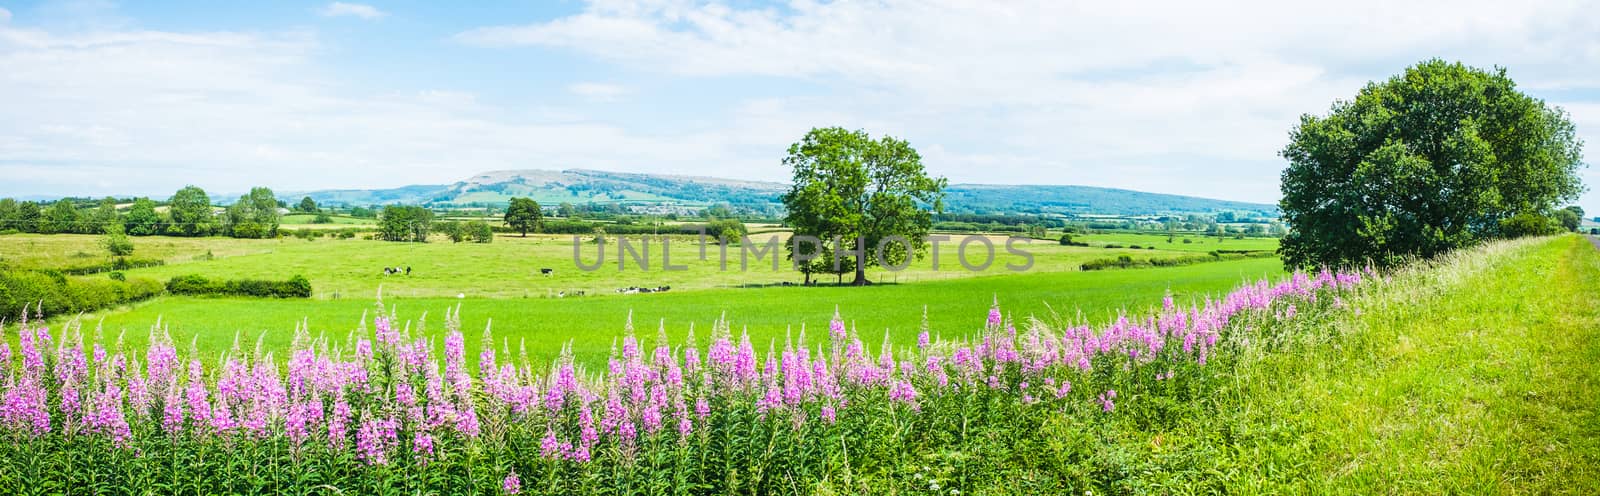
342, 9
145, 112
1190, 97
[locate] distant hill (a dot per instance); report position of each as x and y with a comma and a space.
580, 186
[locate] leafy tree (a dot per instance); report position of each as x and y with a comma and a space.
322, 218
452, 230
105, 218
725, 230
1577, 210
191, 212
525, 215
29, 214
566, 210
851, 188
1569, 219
405, 223
61, 218
8, 214
1529, 224
307, 205
362, 212
266, 209
1431, 160
480, 231
116, 241
142, 218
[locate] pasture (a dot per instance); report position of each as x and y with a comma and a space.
501, 282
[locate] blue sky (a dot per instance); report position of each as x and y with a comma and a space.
1170, 96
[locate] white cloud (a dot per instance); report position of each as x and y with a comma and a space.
5, 15
342, 9
1188, 97
145, 112
599, 92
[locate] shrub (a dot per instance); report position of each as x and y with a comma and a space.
198, 285
52, 293
118, 264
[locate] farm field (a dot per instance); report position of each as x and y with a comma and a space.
508, 268
1314, 385
955, 306
306, 220
1197, 243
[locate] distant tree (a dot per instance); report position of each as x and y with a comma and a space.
61, 218
8, 214
29, 215
481, 232
362, 212
116, 241
191, 212
1577, 210
266, 209
1569, 219
725, 230
525, 215
1429, 161
718, 211
566, 210
142, 218
1529, 224
322, 218
307, 205
105, 217
451, 229
405, 223
850, 187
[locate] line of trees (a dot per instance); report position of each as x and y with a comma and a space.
189, 213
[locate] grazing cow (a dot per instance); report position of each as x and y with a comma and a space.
547, 271
408, 270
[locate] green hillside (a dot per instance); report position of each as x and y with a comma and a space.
588, 186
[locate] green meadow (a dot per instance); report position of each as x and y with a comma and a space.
501, 283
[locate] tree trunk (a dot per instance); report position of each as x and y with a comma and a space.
861, 275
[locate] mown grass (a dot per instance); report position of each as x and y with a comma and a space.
1472, 375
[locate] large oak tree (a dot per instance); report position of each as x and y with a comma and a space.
1434, 159
848, 189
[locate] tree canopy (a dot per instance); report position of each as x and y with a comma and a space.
524, 215
1434, 159
856, 193
142, 218
405, 223
191, 212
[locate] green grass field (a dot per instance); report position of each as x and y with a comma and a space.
954, 307
501, 281
1197, 243
305, 220
1472, 376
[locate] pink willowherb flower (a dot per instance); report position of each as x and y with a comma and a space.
512, 484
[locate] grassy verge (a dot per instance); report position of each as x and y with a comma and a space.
1473, 375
